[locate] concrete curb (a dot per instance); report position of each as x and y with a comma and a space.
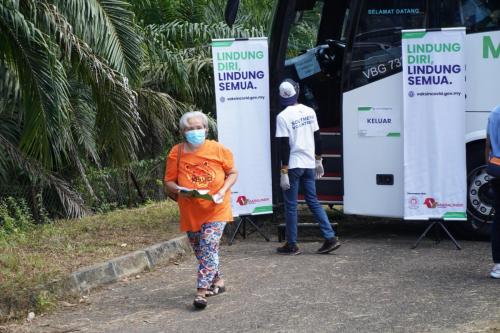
129, 264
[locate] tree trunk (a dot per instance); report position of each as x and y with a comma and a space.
137, 186
34, 205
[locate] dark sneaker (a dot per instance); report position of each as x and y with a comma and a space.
329, 245
288, 249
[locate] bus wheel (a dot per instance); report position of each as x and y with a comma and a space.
480, 195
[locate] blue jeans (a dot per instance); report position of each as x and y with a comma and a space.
305, 177
495, 228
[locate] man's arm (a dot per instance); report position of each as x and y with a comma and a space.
487, 149
318, 147
284, 144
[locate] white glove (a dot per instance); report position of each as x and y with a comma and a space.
284, 182
320, 171
218, 198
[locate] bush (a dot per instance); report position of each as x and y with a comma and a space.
114, 188
15, 216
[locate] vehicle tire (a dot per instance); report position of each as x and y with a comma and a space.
480, 195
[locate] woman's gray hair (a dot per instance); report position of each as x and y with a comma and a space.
184, 121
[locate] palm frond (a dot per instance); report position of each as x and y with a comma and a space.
83, 120
44, 91
169, 74
70, 199
160, 110
108, 27
116, 121
191, 10
9, 130
9, 90
187, 34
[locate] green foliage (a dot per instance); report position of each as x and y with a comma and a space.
90, 85
44, 301
72, 94
113, 187
303, 35
15, 217
35, 264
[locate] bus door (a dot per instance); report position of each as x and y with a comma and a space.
372, 77
313, 57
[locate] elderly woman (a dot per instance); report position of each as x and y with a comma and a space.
202, 164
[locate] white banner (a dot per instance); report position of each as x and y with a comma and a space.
434, 124
241, 75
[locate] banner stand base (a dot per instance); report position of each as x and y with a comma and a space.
435, 223
241, 224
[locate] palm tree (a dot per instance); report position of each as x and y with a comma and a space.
71, 92
83, 83
178, 35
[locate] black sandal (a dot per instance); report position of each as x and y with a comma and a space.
215, 290
200, 302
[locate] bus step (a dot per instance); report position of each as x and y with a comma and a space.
325, 199
331, 141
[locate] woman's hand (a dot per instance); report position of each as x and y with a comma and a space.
219, 196
228, 182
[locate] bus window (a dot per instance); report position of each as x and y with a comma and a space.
475, 15
305, 30
376, 48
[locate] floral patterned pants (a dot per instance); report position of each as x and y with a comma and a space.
205, 244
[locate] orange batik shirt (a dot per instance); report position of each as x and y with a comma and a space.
204, 169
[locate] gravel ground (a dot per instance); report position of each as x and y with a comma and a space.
373, 283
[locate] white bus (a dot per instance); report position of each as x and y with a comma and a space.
358, 51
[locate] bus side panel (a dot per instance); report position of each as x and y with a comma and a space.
482, 52
483, 80
365, 157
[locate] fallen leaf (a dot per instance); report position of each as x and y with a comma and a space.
67, 304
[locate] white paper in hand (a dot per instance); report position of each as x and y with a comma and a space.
218, 198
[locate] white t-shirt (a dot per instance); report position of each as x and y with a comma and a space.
298, 123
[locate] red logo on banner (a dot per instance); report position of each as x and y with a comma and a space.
430, 203
242, 200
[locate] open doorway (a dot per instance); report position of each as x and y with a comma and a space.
314, 59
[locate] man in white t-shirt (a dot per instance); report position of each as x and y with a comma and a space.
300, 149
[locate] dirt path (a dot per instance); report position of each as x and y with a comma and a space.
371, 284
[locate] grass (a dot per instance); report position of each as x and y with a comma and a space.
31, 260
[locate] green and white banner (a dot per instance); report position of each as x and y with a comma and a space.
241, 75
434, 124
